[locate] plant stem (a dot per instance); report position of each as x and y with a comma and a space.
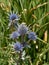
20, 56
41, 40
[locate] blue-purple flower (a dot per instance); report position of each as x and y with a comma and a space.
32, 36
14, 16
14, 35
22, 29
18, 46
13, 20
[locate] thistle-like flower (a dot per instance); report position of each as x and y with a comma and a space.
13, 20
14, 16
18, 46
22, 29
32, 36
14, 35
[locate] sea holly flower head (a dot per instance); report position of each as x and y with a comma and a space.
32, 36
18, 46
22, 29
13, 20
14, 35
14, 16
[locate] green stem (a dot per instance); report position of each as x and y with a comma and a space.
42, 40
20, 56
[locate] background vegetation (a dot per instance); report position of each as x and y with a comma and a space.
34, 13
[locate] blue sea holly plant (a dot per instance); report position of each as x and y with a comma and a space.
13, 18
22, 35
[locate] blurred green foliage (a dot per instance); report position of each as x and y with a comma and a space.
34, 13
